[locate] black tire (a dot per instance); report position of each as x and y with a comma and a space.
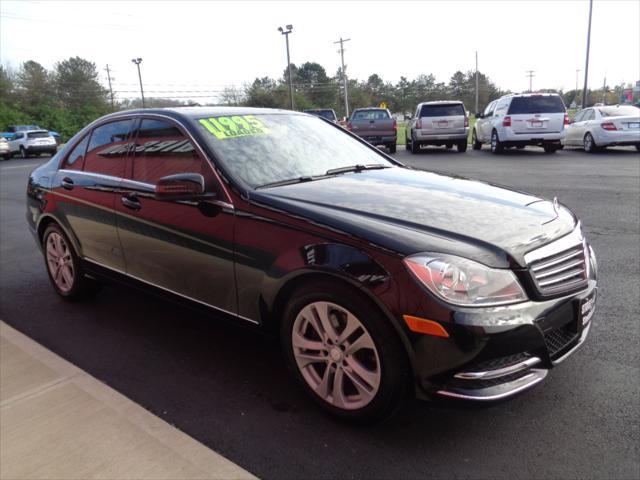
638, 147
550, 149
589, 143
475, 144
392, 148
449, 145
23, 153
395, 370
520, 147
81, 287
496, 145
7, 156
462, 147
415, 148
407, 143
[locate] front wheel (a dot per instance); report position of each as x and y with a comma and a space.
64, 268
344, 352
475, 144
23, 153
7, 156
496, 144
462, 147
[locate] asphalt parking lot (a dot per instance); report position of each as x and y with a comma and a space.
228, 387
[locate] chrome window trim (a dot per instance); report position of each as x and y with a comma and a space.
256, 322
570, 240
141, 116
91, 174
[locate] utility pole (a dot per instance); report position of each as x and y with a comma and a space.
344, 75
604, 90
110, 89
586, 66
138, 61
576, 95
286, 31
530, 75
476, 111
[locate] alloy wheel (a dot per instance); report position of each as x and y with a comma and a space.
59, 262
336, 355
588, 142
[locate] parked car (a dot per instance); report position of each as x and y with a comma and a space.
24, 128
32, 142
327, 113
519, 120
380, 280
375, 125
438, 123
598, 127
5, 151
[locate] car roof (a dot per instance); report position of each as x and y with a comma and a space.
441, 102
371, 108
39, 130
200, 112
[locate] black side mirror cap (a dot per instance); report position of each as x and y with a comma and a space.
181, 186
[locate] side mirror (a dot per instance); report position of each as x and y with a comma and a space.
479, 115
182, 186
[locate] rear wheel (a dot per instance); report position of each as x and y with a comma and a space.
392, 148
475, 144
415, 147
638, 147
550, 149
496, 145
23, 153
7, 156
344, 353
462, 147
64, 268
589, 143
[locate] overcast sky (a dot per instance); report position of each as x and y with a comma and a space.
203, 46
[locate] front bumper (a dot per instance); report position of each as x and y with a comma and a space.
495, 353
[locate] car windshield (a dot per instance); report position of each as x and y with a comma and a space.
620, 111
328, 114
370, 115
264, 149
536, 104
450, 110
38, 134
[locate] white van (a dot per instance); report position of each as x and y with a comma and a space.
521, 119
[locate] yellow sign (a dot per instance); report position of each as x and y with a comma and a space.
234, 127
383, 104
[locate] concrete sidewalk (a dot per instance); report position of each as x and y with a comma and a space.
57, 421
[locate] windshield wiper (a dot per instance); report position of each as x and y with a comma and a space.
356, 168
289, 181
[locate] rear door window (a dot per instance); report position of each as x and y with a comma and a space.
108, 148
75, 160
536, 104
446, 110
161, 150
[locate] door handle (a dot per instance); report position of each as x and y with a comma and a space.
132, 202
67, 183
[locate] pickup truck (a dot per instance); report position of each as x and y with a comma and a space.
375, 125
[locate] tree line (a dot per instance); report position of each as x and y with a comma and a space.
70, 95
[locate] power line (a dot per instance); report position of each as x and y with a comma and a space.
530, 75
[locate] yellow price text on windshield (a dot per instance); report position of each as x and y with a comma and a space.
234, 127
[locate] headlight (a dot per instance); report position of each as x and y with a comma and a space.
465, 282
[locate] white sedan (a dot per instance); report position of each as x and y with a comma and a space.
597, 127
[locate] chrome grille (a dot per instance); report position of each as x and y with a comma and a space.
564, 271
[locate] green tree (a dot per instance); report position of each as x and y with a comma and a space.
34, 88
77, 86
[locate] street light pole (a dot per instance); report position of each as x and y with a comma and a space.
138, 61
530, 75
286, 31
586, 66
344, 76
576, 94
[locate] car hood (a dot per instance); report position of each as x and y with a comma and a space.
410, 211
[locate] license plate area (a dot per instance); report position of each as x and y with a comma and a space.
536, 124
633, 125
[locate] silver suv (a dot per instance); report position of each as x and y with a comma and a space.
521, 119
438, 123
32, 142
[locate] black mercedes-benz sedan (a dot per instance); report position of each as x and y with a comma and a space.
379, 279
